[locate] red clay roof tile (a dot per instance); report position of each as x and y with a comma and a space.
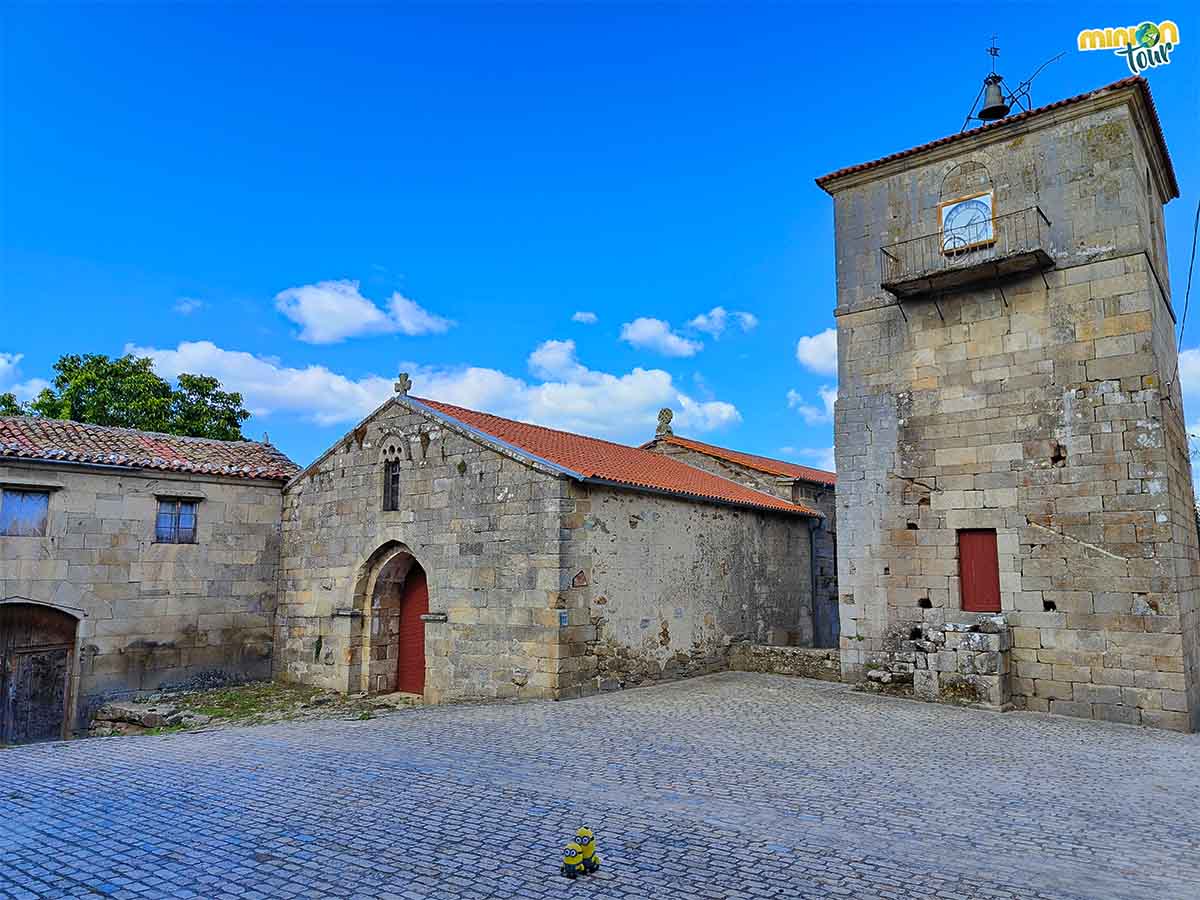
1124, 82
601, 460
752, 461
61, 440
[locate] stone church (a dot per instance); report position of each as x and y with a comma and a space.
1010, 436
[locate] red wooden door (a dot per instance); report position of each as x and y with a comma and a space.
978, 570
410, 673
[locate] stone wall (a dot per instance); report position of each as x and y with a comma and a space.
483, 525
671, 583
823, 664
1041, 408
966, 663
819, 497
150, 614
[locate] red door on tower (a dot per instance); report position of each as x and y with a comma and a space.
410, 674
978, 570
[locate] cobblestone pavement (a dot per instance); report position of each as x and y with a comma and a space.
731, 786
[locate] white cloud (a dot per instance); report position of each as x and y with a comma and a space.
818, 352
655, 334
716, 320
585, 318
331, 311
819, 457
1189, 371
570, 396
813, 415
185, 306
10, 371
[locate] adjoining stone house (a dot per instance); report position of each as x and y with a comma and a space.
791, 481
451, 553
1010, 434
129, 561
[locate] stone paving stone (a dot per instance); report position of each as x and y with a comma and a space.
728, 787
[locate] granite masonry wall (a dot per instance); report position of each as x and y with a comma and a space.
1047, 409
149, 615
816, 496
484, 526
670, 584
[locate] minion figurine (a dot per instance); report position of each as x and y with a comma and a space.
587, 842
572, 866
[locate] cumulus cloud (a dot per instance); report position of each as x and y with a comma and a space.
1189, 371
818, 457
655, 334
818, 352
331, 311
10, 372
814, 415
185, 306
568, 396
585, 318
716, 320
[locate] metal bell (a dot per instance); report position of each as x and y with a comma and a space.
994, 106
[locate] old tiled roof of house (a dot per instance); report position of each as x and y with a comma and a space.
592, 459
1137, 80
60, 440
751, 461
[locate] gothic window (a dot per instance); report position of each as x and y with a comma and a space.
391, 484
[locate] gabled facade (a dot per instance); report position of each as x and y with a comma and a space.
548, 564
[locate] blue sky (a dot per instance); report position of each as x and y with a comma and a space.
303, 202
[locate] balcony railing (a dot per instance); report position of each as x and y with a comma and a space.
1010, 244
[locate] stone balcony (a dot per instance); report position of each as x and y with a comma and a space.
1018, 242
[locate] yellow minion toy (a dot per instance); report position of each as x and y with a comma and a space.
587, 842
572, 866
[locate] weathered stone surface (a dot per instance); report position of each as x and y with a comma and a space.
805, 662
1046, 408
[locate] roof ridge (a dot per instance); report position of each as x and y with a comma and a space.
786, 462
575, 434
124, 430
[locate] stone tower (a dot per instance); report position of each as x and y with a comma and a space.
1009, 428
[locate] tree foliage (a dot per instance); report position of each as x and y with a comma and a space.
9, 406
126, 392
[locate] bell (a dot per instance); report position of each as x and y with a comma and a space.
994, 106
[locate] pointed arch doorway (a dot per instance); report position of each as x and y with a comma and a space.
395, 599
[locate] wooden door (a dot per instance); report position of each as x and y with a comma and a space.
410, 674
36, 644
978, 570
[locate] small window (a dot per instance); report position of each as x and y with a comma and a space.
176, 523
24, 513
391, 484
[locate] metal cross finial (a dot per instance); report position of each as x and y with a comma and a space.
993, 52
665, 415
402, 385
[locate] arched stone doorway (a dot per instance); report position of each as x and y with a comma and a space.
37, 647
394, 597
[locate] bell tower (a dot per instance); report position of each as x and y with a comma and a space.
1009, 429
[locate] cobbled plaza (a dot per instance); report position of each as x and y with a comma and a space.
727, 786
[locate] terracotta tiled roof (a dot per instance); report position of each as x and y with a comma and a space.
1137, 80
751, 461
60, 440
593, 459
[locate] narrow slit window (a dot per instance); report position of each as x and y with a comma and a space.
176, 522
24, 513
391, 485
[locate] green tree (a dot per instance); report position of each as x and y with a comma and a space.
200, 408
126, 392
9, 406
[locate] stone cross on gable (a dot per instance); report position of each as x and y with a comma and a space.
402, 385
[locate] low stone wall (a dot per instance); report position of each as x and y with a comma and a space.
805, 662
962, 663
